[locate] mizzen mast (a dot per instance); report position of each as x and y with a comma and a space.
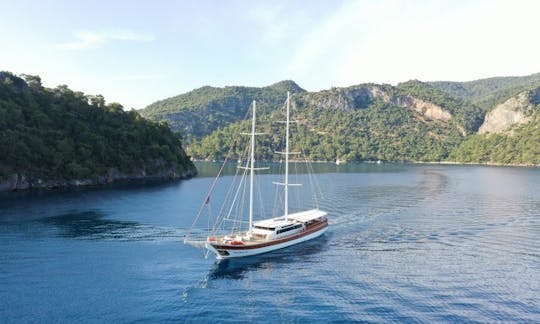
287, 152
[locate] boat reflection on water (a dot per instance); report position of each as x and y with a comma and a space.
238, 267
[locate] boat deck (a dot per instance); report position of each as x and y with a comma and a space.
242, 239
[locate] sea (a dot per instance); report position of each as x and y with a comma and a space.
405, 243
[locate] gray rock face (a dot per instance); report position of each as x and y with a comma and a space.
426, 108
349, 99
514, 111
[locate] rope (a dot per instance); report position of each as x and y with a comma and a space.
213, 186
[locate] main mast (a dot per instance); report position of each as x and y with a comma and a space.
252, 169
286, 207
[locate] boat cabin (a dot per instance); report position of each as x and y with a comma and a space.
281, 227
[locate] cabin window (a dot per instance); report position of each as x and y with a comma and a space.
288, 228
264, 228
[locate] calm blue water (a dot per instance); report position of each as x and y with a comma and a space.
405, 243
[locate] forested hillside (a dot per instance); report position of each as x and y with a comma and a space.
486, 93
413, 121
60, 137
366, 122
521, 146
510, 134
204, 110
466, 115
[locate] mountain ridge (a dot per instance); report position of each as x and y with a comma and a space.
201, 111
487, 93
436, 120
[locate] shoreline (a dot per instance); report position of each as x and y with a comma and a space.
20, 182
525, 165
479, 164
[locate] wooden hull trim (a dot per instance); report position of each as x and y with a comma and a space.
234, 251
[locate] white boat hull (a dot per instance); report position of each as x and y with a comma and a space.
238, 253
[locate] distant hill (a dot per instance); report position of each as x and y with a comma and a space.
204, 110
466, 114
510, 133
59, 137
413, 121
486, 93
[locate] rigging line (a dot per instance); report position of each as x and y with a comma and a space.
235, 220
240, 185
209, 219
297, 180
218, 219
224, 203
311, 178
214, 183
317, 192
276, 195
240, 206
227, 197
261, 205
243, 187
227, 157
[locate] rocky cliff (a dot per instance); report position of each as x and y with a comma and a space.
352, 98
426, 108
514, 111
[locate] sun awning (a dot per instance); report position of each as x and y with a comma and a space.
308, 215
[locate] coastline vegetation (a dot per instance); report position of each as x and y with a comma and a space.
64, 134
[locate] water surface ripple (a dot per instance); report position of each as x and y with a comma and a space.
405, 244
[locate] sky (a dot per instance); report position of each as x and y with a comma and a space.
137, 52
